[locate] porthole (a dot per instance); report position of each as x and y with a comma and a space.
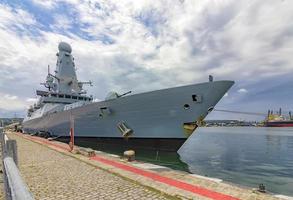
186, 106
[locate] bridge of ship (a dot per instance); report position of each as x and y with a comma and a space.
49, 97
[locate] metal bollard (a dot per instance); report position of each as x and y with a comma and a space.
129, 155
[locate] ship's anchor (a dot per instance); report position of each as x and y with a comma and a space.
124, 129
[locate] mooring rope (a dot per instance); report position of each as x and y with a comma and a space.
241, 112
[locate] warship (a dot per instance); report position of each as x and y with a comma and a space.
161, 119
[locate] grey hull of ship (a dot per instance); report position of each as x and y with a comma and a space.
158, 114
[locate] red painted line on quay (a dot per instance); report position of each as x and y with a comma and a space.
154, 176
169, 181
44, 141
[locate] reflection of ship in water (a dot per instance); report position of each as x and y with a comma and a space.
278, 120
169, 159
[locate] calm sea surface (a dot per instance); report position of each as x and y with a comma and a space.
243, 155
246, 156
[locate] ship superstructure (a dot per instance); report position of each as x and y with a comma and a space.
156, 119
278, 120
64, 90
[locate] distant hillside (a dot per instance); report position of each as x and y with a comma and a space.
7, 121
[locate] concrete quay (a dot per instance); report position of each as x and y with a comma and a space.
51, 171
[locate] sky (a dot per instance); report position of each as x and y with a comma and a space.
145, 45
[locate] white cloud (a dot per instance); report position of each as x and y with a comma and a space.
11, 102
61, 22
48, 4
10, 97
31, 100
161, 43
15, 17
242, 90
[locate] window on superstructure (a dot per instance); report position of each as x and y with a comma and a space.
74, 97
68, 96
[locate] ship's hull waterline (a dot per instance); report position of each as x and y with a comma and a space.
156, 118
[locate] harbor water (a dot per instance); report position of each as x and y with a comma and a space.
246, 156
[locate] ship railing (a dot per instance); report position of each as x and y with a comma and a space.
14, 186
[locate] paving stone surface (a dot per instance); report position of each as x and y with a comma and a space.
52, 175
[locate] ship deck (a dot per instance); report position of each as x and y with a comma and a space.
52, 172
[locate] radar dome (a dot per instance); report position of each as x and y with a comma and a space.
63, 46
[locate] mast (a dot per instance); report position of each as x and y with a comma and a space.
65, 80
